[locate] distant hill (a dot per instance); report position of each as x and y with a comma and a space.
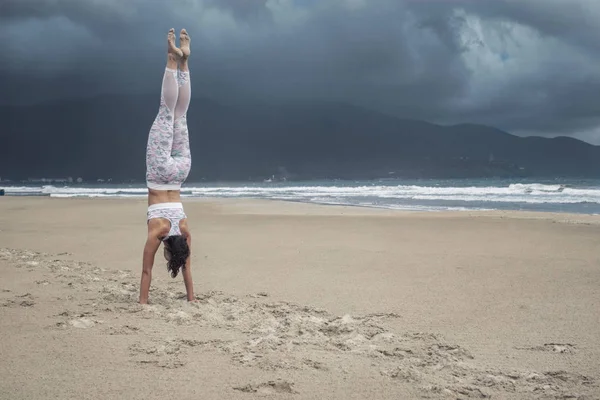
105, 137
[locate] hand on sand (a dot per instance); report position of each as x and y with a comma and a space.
192, 299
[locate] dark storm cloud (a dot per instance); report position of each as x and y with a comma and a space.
525, 66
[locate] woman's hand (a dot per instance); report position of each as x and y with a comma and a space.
150, 249
187, 270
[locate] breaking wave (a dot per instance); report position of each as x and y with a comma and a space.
375, 194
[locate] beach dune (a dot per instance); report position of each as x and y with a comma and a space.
299, 301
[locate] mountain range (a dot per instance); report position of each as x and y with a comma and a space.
105, 137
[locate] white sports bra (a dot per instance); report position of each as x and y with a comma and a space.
171, 211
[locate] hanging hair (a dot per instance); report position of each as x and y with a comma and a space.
179, 251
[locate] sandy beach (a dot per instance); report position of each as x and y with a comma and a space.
299, 301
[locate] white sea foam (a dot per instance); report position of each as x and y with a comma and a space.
387, 196
70, 191
520, 193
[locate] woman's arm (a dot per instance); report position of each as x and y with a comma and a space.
152, 244
187, 271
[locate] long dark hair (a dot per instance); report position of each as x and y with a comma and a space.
179, 250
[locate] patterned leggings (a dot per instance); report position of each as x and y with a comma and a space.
168, 158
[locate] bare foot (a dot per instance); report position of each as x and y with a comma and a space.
172, 49
184, 43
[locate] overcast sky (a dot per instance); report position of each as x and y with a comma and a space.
526, 66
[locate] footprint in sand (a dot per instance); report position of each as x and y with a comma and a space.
164, 354
315, 364
25, 300
561, 348
271, 387
7, 303
258, 295
82, 323
79, 320
124, 330
179, 318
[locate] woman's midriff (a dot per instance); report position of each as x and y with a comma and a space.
163, 196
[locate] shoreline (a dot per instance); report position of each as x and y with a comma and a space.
297, 206
576, 197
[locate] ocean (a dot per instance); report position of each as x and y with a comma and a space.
557, 195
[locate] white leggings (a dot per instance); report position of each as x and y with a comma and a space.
168, 157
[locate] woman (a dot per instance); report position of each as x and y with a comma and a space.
168, 163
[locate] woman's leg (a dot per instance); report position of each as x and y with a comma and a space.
185, 91
181, 141
159, 163
158, 152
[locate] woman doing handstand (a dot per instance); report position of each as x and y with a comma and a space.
168, 163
